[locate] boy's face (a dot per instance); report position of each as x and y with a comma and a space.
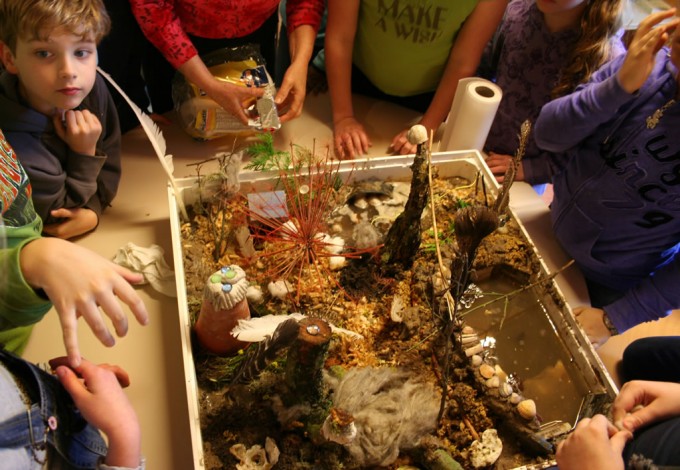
54, 74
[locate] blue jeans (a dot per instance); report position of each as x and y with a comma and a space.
52, 418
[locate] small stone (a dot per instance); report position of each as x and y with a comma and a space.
476, 360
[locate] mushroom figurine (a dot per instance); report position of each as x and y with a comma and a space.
224, 304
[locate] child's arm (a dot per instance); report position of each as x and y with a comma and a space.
349, 135
463, 62
79, 282
77, 222
102, 402
599, 101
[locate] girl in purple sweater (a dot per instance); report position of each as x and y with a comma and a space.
616, 208
542, 50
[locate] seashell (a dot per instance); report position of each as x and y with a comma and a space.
527, 409
370, 189
476, 349
501, 373
515, 398
476, 360
505, 389
493, 382
466, 339
468, 330
417, 134
487, 371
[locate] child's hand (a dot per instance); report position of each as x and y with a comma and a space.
102, 402
79, 129
595, 442
641, 403
592, 321
78, 282
648, 39
350, 138
498, 164
400, 144
79, 221
291, 94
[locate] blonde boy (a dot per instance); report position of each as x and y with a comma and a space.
56, 112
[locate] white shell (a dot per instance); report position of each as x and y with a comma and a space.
515, 398
476, 360
476, 349
493, 382
505, 389
417, 134
527, 409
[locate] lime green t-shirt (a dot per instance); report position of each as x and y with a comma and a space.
402, 46
20, 304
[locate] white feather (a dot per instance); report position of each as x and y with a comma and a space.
156, 138
258, 328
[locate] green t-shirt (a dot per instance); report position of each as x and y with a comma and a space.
20, 305
402, 46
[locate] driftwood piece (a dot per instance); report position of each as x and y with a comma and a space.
403, 239
305, 360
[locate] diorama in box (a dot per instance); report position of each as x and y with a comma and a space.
382, 313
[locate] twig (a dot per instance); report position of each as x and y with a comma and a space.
521, 289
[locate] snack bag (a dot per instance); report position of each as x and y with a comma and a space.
204, 119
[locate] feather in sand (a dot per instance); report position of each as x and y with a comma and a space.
258, 328
155, 137
260, 356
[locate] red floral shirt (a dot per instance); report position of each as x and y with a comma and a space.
166, 22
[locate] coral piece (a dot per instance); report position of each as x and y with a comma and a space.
485, 452
256, 458
224, 304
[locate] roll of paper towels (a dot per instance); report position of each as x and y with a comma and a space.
472, 113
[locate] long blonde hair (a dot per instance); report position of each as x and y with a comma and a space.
600, 21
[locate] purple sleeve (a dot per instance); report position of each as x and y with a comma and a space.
581, 112
652, 299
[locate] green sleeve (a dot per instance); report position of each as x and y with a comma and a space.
20, 304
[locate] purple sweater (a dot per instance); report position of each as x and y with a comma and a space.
527, 68
616, 209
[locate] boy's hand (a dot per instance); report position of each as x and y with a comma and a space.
102, 402
648, 39
79, 129
79, 283
79, 221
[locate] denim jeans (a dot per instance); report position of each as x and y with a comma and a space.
52, 419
